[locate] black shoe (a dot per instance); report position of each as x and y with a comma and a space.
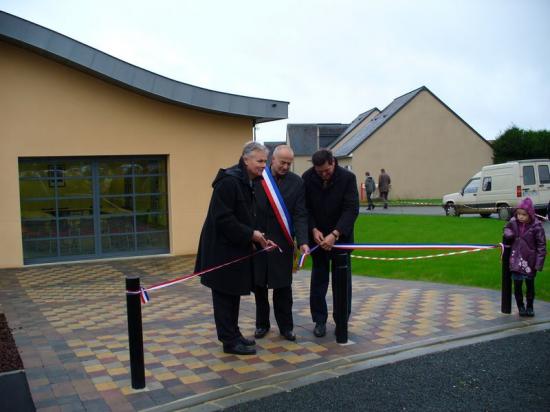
522, 311
320, 329
289, 335
529, 312
260, 332
239, 349
385, 206
247, 342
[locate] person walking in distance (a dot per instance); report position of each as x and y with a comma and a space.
370, 187
274, 270
384, 184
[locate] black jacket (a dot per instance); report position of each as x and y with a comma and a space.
274, 269
335, 206
227, 233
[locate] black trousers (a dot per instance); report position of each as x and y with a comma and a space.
369, 199
282, 307
226, 316
323, 262
384, 196
529, 293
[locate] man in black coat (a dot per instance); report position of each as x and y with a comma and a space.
332, 202
228, 234
274, 270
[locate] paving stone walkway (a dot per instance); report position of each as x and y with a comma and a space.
69, 322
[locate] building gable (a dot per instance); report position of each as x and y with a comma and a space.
385, 116
425, 148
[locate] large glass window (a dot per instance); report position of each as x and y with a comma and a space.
93, 207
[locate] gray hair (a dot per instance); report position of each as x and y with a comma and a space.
282, 147
250, 147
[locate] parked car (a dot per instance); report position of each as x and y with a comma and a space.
498, 188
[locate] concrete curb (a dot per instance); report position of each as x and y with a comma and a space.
15, 394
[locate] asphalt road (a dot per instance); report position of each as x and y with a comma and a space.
509, 374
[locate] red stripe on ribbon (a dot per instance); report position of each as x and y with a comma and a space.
192, 275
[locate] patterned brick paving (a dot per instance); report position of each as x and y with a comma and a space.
69, 323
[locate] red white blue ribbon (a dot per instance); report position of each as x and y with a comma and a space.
278, 204
412, 246
143, 292
143, 296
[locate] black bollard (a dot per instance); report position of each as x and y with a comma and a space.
135, 333
342, 279
506, 293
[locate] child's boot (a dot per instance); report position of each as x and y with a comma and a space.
530, 311
519, 302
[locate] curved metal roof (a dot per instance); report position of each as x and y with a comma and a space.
71, 52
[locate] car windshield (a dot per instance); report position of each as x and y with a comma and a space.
471, 186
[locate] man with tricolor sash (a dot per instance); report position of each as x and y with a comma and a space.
281, 216
332, 201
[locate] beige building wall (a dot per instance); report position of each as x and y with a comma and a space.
425, 148
49, 109
347, 163
301, 164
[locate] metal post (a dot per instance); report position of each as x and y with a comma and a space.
506, 294
341, 295
135, 333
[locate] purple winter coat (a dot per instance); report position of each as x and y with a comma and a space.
528, 243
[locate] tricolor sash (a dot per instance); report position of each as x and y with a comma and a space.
277, 204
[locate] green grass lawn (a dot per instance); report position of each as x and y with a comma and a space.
481, 269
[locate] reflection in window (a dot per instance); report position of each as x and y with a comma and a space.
544, 174
528, 175
472, 186
486, 187
55, 175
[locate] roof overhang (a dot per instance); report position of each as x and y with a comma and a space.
104, 66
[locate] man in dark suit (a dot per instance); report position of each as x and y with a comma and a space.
332, 202
274, 270
229, 233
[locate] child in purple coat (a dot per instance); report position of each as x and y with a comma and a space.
528, 250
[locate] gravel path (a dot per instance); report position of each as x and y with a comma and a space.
510, 374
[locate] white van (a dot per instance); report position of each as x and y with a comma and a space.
498, 189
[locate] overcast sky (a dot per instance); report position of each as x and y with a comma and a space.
488, 60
